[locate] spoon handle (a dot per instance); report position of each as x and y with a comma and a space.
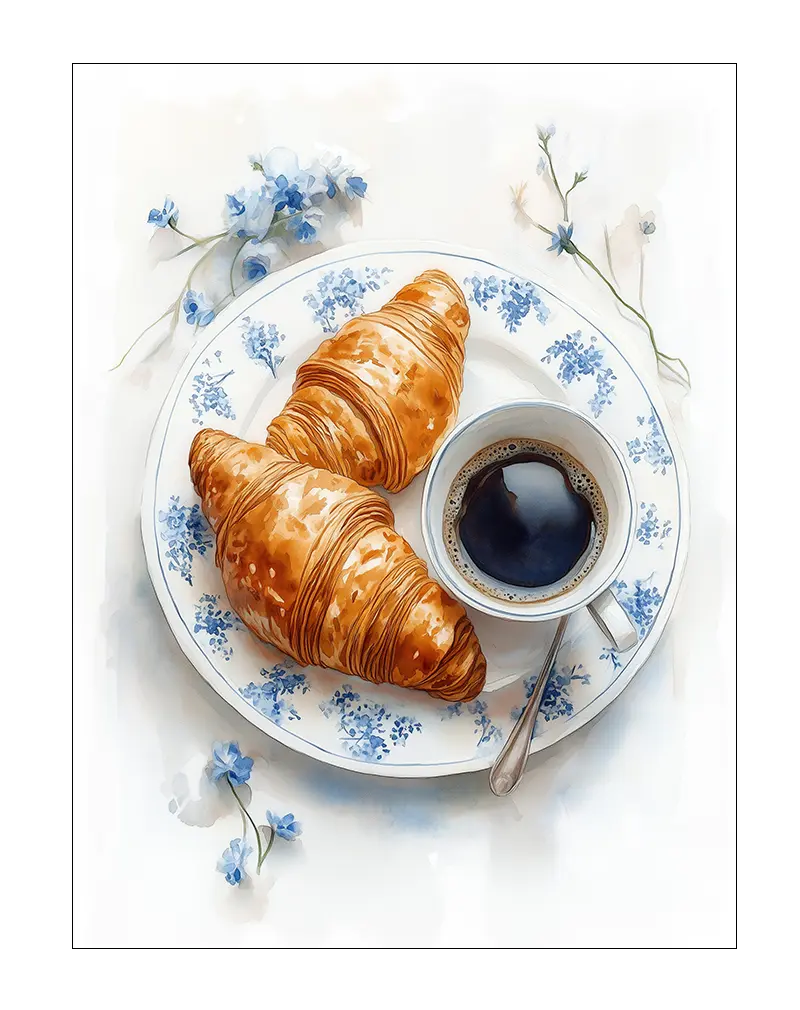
506, 772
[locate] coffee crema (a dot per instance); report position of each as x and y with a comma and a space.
524, 520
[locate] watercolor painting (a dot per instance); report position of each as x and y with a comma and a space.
308, 288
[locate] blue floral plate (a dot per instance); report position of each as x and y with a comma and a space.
524, 341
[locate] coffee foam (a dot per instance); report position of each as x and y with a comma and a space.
581, 481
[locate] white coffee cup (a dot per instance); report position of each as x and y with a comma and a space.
578, 434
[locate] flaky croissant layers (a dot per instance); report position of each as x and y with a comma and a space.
312, 564
375, 401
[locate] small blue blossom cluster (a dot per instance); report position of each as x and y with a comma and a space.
168, 215
484, 727
269, 698
562, 240
343, 291
556, 700
641, 602
197, 309
650, 528
227, 759
576, 359
285, 827
611, 655
186, 533
517, 298
230, 765
290, 203
209, 396
233, 859
364, 725
260, 344
210, 619
402, 728
653, 447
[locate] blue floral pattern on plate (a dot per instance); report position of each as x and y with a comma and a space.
576, 359
485, 729
610, 655
270, 697
557, 697
367, 730
652, 446
341, 294
260, 343
187, 533
209, 396
348, 722
650, 528
211, 621
641, 602
517, 298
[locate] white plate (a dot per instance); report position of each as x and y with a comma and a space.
524, 341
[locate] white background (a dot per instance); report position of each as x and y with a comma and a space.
621, 835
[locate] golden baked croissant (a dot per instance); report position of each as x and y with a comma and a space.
374, 401
312, 564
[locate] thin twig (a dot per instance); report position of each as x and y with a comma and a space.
233, 264
555, 180
660, 357
245, 813
608, 254
641, 283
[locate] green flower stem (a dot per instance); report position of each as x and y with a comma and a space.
608, 256
233, 263
245, 814
566, 197
641, 282
563, 199
175, 307
197, 241
660, 356
266, 851
145, 330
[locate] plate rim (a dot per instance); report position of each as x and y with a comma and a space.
217, 681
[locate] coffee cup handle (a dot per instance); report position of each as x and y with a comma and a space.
613, 621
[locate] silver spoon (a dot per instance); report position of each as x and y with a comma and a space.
506, 772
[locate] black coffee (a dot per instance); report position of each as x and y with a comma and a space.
524, 520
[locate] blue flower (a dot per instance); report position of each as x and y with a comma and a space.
284, 827
562, 241
161, 218
208, 394
287, 195
343, 177
546, 132
541, 167
186, 533
255, 267
260, 344
248, 213
648, 227
197, 309
344, 291
354, 186
227, 759
290, 187
304, 225
233, 860
518, 298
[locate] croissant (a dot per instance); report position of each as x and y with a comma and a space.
375, 401
312, 564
